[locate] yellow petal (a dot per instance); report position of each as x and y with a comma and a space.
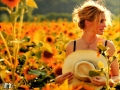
31, 3
100, 64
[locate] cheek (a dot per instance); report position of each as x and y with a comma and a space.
98, 27
97, 30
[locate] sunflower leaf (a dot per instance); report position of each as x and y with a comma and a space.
38, 54
93, 73
25, 39
101, 47
31, 3
37, 72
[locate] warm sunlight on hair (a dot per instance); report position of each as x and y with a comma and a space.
91, 10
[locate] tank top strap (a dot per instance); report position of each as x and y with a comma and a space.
105, 43
74, 48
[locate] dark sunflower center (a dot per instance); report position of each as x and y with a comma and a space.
49, 39
58, 71
70, 34
47, 54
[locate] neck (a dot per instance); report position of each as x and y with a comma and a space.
89, 37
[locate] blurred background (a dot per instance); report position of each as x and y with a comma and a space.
44, 35
55, 9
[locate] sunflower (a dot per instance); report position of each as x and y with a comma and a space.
71, 35
11, 3
50, 39
27, 75
31, 62
58, 70
48, 56
8, 77
65, 31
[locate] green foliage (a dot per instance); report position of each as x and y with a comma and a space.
54, 9
49, 16
66, 6
56, 16
93, 73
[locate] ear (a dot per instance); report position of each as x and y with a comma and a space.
87, 23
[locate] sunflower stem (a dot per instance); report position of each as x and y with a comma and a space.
14, 49
107, 76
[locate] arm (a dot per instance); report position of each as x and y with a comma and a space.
61, 78
69, 48
115, 65
98, 80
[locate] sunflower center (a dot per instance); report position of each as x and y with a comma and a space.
58, 71
47, 54
49, 39
70, 34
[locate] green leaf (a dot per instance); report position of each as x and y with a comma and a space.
38, 53
37, 72
101, 47
31, 3
25, 39
93, 73
117, 39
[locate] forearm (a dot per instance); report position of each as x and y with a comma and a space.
114, 80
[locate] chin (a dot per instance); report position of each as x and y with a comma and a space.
101, 34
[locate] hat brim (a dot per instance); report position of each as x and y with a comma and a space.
79, 55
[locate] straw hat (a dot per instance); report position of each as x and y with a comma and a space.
80, 62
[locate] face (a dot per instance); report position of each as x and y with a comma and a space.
101, 25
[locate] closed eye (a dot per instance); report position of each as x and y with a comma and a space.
102, 20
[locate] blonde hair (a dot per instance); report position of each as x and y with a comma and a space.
91, 10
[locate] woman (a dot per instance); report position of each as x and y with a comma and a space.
92, 18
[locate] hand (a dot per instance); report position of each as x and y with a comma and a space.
98, 80
61, 78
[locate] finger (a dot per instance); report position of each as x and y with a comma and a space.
96, 83
70, 79
68, 76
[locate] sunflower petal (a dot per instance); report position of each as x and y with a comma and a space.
31, 3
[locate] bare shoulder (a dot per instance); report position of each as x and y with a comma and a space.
111, 46
69, 47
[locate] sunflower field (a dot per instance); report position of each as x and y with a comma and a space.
32, 53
